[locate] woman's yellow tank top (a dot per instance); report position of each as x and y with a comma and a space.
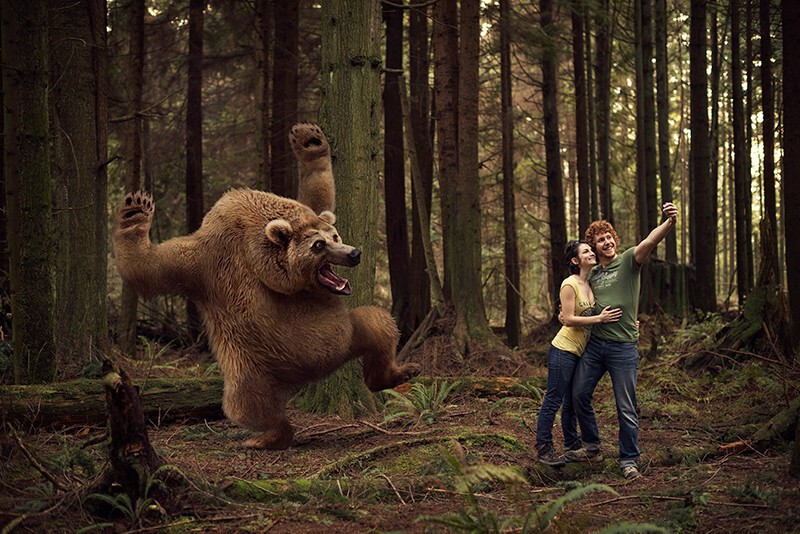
574, 338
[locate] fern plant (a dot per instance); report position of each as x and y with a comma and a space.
477, 519
123, 505
425, 404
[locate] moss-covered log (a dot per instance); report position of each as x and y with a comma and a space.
81, 402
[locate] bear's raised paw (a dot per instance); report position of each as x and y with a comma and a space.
136, 208
308, 142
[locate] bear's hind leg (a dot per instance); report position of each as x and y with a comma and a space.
375, 338
259, 404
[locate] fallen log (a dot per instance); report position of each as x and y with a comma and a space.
82, 402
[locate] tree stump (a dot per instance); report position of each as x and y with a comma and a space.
132, 459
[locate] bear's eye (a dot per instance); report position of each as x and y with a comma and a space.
318, 245
335, 238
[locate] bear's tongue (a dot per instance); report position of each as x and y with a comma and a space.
332, 281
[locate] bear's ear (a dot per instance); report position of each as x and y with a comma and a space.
279, 231
328, 217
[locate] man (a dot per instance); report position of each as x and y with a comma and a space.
612, 346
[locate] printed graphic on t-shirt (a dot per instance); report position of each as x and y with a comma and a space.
602, 279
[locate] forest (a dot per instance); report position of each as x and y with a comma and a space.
469, 142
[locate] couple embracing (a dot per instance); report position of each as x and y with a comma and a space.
602, 279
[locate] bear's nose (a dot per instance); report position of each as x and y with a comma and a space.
354, 256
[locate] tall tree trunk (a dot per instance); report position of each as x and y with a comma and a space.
510, 249
581, 134
744, 278
748, 138
714, 137
28, 189
445, 68
263, 52
419, 300
350, 115
662, 103
704, 209
592, 115
555, 190
768, 130
652, 210
641, 138
790, 17
394, 171
284, 97
133, 178
194, 141
603, 98
78, 120
463, 266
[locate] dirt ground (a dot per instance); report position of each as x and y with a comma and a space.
471, 463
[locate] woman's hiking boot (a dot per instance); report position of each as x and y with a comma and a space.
583, 455
548, 456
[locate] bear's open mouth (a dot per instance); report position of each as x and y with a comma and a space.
332, 281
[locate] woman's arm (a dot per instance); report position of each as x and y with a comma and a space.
608, 315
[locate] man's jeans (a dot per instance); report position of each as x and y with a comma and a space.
621, 360
560, 366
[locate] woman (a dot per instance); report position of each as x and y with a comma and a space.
577, 309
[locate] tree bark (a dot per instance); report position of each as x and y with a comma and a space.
662, 104
419, 302
350, 115
194, 142
445, 68
78, 120
704, 209
790, 17
28, 189
263, 52
652, 210
394, 172
463, 266
744, 277
555, 191
581, 133
284, 97
768, 129
510, 249
129, 300
603, 98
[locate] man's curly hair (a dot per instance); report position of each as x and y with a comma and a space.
597, 228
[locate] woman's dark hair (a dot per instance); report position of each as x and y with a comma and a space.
571, 251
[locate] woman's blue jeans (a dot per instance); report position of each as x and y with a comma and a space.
560, 366
621, 361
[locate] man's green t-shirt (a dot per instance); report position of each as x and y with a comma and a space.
617, 285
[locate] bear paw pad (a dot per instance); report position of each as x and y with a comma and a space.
137, 207
308, 142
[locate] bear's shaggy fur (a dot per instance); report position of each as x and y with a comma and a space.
260, 270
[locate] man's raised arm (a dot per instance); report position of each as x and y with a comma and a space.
658, 234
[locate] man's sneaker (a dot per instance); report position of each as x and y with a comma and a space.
549, 457
630, 472
583, 455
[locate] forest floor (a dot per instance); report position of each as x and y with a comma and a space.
466, 460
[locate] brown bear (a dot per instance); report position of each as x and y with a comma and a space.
260, 270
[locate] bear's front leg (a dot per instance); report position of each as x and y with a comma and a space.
375, 338
317, 189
